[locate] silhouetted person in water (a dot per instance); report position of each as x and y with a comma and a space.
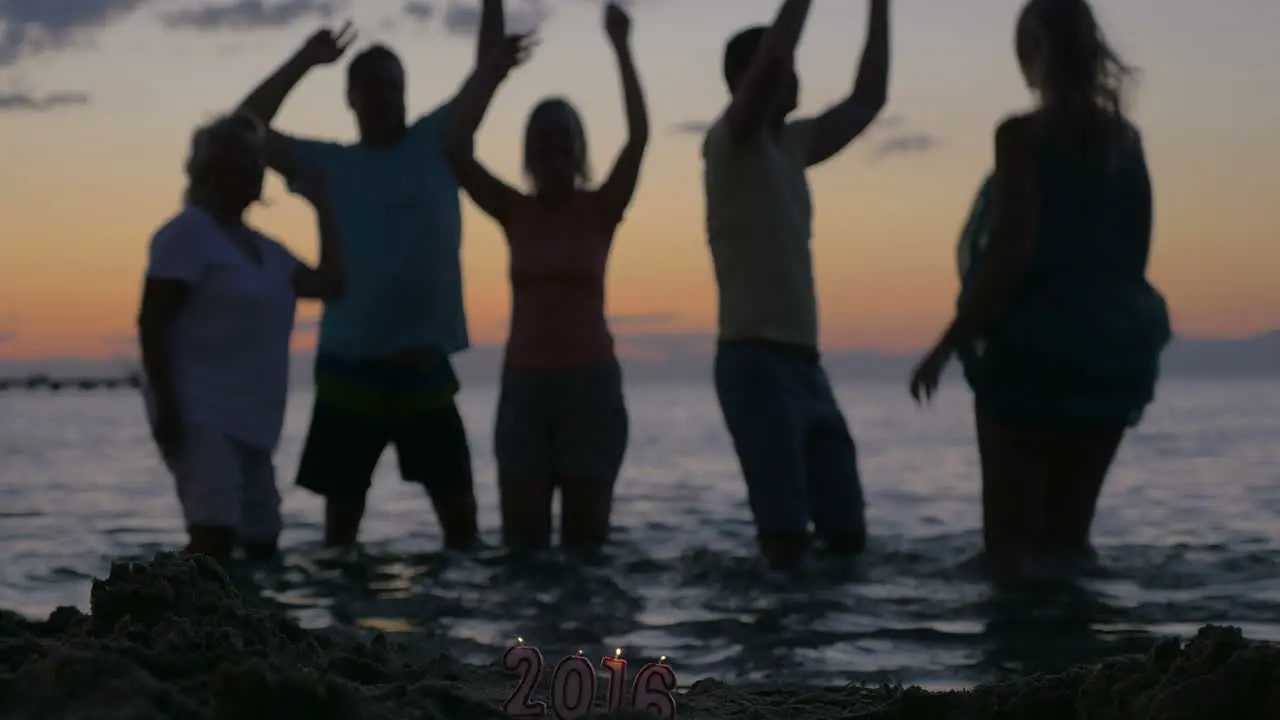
217, 313
792, 441
1057, 327
383, 374
562, 420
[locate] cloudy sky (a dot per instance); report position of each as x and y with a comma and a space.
98, 97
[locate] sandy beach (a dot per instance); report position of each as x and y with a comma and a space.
171, 639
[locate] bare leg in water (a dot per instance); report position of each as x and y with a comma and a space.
526, 514
342, 523
585, 507
456, 514
216, 542
1016, 462
1082, 460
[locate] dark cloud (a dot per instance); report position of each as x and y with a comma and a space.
464, 19
27, 102
251, 14
420, 11
888, 122
905, 144
699, 127
34, 27
890, 139
691, 127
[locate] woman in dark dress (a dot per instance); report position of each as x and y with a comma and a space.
1057, 327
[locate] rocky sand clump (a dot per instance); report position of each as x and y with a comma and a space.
172, 639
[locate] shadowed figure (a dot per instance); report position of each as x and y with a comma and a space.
217, 313
383, 373
791, 438
1059, 331
562, 419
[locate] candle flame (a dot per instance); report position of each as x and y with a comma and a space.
579, 652
664, 657
520, 640
617, 653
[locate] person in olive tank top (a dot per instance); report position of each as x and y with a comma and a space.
562, 420
1057, 327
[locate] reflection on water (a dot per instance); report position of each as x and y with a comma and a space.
1186, 534
907, 616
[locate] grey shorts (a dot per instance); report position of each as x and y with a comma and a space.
556, 424
223, 482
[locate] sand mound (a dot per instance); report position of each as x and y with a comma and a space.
171, 639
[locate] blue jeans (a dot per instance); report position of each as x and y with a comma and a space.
797, 456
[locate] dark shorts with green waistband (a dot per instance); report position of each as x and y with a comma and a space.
361, 406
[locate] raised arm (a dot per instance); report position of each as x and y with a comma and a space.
755, 92
620, 187
322, 48
492, 195
844, 121
493, 27
327, 280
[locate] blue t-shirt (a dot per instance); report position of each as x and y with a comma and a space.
401, 222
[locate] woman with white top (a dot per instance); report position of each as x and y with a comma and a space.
217, 313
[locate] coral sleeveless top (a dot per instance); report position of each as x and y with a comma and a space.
559, 256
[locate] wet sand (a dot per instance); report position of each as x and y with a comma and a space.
172, 639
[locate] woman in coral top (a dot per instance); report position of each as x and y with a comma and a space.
562, 420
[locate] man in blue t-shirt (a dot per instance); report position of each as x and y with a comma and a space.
383, 374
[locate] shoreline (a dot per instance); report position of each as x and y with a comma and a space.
172, 639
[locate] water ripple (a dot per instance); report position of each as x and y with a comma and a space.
1186, 531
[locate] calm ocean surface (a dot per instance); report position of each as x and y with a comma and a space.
1187, 528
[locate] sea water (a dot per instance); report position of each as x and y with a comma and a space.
1187, 530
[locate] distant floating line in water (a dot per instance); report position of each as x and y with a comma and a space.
132, 381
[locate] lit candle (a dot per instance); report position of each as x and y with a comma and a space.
617, 669
573, 688
527, 661
654, 690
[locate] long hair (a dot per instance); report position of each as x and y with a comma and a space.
207, 140
581, 163
1082, 80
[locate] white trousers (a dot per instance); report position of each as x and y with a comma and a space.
223, 482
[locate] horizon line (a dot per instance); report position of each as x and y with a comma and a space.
6, 359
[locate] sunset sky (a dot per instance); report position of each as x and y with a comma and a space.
98, 97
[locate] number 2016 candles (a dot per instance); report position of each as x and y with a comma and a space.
573, 685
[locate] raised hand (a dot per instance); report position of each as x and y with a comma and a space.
512, 52
326, 45
617, 23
